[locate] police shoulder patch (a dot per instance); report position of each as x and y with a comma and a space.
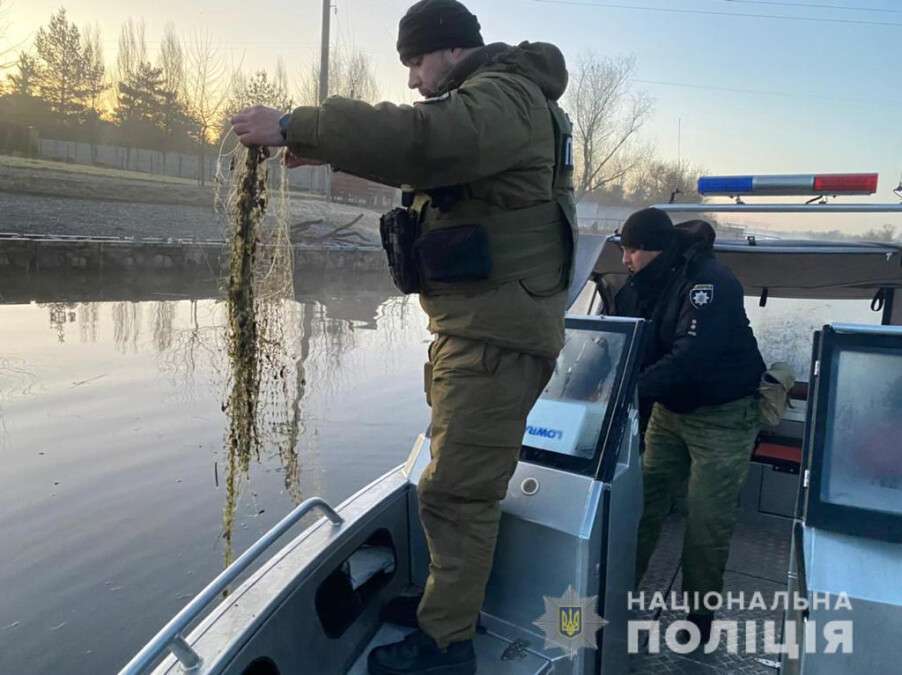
701, 295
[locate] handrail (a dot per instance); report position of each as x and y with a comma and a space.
171, 638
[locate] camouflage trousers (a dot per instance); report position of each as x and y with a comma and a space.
701, 457
480, 396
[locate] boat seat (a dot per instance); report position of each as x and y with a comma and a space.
782, 454
799, 391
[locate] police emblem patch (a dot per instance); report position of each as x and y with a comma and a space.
571, 622
701, 295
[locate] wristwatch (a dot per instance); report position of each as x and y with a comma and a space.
284, 121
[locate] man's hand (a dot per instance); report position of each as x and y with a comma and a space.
258, 125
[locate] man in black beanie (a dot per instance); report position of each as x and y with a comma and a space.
486, 239
697, 394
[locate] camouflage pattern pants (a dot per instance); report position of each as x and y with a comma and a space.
480, 396
705, 455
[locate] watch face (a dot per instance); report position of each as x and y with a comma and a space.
283, 125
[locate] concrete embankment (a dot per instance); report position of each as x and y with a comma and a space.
46, 253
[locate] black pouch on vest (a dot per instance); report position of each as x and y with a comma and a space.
399, 230
455, 254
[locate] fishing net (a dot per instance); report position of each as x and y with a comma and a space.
266, 382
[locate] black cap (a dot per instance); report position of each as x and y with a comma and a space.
432, 25
649, 230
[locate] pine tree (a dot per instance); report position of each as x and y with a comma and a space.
140, 108
260, 89
62, 82
25, 82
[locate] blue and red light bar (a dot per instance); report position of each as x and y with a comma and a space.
789, 185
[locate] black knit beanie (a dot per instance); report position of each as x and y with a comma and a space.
649, 230
433, 25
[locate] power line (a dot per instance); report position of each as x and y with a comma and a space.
742, 15
766, 92
814, 5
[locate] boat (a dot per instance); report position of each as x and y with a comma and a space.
820, 517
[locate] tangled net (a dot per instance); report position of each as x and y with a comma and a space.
259, 288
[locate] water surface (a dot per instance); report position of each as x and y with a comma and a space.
113, 457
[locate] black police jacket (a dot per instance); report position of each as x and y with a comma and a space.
701, 350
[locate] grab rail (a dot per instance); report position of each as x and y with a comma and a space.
171, 638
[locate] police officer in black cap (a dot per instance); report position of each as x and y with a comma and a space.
697, 392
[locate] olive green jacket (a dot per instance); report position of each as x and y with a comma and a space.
491, 132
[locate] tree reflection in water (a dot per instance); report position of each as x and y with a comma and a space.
16, 379
303, 341
126, 326
87, 321
61, 313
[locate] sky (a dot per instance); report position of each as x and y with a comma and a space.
749, 93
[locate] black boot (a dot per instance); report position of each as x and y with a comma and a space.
402, 610
703, 622
419, 653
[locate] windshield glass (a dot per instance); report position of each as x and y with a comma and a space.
862, 452
785, 327
568, 417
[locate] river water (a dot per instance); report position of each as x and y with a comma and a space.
112, 440
112, 479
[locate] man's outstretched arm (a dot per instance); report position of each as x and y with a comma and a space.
476, 131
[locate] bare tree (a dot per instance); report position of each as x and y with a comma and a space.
132, 49
7, 51
206, 91
172, 61
655, 182
174, 119
607, 114
885, 233
350, 75
96, 82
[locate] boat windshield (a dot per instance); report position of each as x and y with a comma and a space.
569, 423
862, 452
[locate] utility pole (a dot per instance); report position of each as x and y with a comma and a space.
324, 53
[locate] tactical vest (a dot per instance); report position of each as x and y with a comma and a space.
521, 243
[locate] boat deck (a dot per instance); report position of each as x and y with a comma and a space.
494, 654
759, 561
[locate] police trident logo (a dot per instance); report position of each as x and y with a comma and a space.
570, 622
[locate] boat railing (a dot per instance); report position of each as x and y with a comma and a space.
171, 637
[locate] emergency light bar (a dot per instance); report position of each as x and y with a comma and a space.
789, 185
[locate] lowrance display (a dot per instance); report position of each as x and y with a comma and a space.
563, 427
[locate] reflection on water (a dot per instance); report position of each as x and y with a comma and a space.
87, 321
115, 469
264, 380
127, 326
